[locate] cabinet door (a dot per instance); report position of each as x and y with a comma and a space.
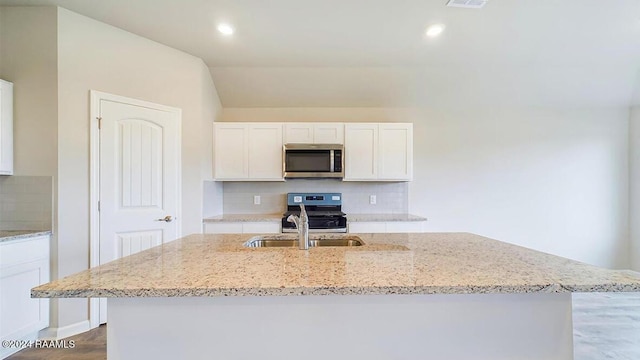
6, 128
395, 151
328, 133
361, 151
231, 151
24, 264
298, 133
265, 151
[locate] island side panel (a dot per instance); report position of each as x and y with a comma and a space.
474, 326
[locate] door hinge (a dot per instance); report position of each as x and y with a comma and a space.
98, 205
99, 123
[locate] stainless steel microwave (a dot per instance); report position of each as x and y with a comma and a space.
313, 161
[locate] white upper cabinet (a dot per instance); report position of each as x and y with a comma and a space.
395, 151
328, 133
314, 133
378, 152
253, 151
265, 151
361, 152
248, 151
298, 133
6, 128
231, 151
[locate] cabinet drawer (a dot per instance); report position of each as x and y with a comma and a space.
24, 250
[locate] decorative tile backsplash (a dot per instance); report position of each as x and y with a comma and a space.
26, 202
391, 197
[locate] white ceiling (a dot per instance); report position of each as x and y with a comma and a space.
374, 52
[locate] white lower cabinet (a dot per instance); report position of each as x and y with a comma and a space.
244, 227
386, 226
24, 264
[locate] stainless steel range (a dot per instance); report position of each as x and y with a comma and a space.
323, 209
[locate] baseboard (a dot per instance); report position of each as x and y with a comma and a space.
52, 333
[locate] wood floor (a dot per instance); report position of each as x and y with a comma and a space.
90, 345
606, 326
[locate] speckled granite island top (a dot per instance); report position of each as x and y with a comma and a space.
416, 263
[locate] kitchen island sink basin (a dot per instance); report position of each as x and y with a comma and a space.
280, 241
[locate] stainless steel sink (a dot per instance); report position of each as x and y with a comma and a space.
314, 241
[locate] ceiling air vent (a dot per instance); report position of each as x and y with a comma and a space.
471, 4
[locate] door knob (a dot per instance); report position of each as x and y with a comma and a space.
166, 219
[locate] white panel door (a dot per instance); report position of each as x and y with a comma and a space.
139, 179
265, 151
361, 151
395, 151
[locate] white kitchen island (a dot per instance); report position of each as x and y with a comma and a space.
401, 296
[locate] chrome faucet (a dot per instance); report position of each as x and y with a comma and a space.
302, 225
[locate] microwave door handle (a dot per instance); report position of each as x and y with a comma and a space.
331, 161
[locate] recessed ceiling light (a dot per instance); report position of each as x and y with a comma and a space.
435, 30
225, 29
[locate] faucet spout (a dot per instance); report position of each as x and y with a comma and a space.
302, 225
295, 220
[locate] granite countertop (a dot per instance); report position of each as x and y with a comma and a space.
384, 217
244, 218
278, 217
9, 235
415, 263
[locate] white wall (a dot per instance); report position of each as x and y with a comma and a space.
55, 57
28, 59
634, 186
555, 180
93, 55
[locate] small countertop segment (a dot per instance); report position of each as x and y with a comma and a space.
10, 235
384, 217
244, 218
415, 263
